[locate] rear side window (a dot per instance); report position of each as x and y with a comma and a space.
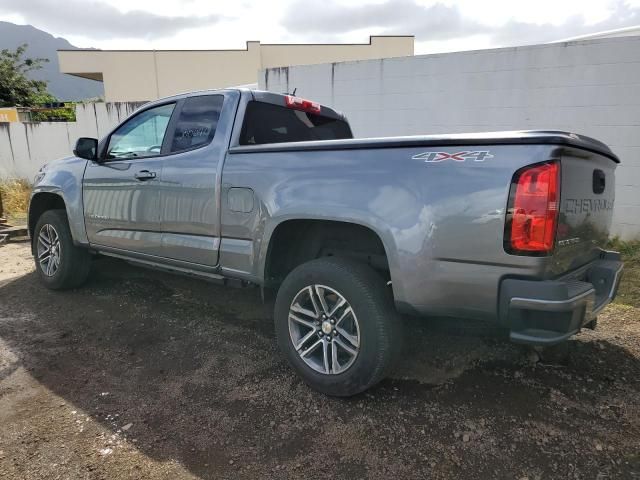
196, 125
268, 123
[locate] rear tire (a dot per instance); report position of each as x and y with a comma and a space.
366, 323
59, 263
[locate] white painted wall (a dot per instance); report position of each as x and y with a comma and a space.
24, 147
589, 87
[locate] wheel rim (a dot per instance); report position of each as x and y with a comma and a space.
49, 250
324, 329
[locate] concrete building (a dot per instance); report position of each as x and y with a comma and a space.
139, 75
588, 87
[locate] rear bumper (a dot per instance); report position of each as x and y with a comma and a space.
549, 312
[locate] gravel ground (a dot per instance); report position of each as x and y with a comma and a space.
146, 375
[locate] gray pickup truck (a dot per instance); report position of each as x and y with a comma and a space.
255, 188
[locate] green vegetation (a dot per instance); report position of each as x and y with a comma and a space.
62, 114
43, 97
16, 88
15, 199
629, 291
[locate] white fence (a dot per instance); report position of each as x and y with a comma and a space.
589, 87
24, 147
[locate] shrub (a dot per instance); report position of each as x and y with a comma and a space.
15, 197
65, 114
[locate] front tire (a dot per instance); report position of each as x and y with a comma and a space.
337, 326
59, 263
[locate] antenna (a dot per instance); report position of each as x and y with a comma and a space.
294, 91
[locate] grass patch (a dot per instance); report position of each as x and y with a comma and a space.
629, 291
15, 199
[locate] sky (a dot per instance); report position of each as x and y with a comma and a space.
445, 25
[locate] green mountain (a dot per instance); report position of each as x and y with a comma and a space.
44, 45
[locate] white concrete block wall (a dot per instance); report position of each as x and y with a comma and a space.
590, 87
24, 147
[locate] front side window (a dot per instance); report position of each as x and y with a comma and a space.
142, 136
197, 122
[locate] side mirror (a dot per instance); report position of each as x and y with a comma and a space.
86, 148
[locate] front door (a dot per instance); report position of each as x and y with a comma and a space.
121, 192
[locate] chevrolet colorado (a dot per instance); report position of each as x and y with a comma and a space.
253, 187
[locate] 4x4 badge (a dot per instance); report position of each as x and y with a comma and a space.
435, 157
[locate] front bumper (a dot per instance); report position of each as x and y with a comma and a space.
550, 311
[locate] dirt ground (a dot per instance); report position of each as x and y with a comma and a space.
146, 375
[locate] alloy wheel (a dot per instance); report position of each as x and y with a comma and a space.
324, 329
49, 250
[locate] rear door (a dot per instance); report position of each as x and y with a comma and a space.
121, 193
190, 179
267, 118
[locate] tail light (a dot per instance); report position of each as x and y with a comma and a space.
532, 214
298, 103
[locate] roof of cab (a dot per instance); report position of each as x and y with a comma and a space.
258, 95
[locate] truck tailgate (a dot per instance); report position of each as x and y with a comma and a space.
586, 208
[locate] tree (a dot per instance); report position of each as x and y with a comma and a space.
16, 89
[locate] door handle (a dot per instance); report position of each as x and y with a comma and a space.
143, 175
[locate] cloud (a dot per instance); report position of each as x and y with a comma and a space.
520, 33
436, 21
439, 22
98, 20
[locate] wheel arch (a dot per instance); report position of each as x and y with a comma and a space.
42, 201
374, 239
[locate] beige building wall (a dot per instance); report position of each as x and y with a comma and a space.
139, 75
379, 47
183, 71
